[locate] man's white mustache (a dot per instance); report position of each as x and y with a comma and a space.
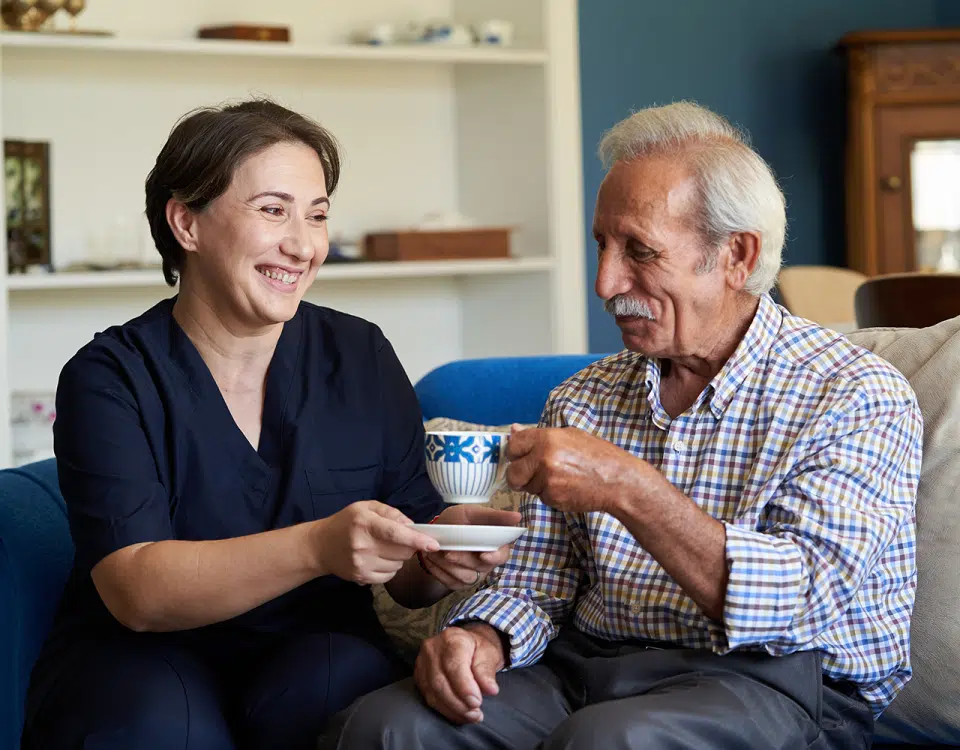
627, 307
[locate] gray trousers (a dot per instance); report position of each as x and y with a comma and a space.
588, 693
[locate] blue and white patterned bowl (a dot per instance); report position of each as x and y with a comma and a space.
466, 467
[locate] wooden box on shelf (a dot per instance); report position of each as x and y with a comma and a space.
246, 33
458, 244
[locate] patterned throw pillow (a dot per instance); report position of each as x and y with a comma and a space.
408, 628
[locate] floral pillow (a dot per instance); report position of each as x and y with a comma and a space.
408, 628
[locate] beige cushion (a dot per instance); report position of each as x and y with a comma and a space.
408, 628
929, 706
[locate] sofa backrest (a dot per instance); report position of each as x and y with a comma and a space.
496, 390
928, 708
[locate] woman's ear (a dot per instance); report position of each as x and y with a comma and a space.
183, 224
742, 258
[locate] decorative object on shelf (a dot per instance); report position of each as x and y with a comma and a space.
445, 235
452, 34
494, 32
451, 244
22, 15
113, 243
27, 189
31, 416
246, 32
381, 33
344, 251
74, 8
38, 15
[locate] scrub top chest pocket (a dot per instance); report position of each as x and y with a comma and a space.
332, 490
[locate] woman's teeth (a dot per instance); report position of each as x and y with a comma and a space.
286, 278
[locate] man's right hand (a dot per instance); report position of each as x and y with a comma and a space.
457, 667
367, 542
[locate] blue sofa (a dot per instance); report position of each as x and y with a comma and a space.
35, 548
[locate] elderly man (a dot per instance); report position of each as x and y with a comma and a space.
721, 518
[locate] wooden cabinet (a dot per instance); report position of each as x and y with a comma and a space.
903, 150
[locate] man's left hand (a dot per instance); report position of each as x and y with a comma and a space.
573, 471
460, 570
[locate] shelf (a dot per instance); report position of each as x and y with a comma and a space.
334, 272
394, 53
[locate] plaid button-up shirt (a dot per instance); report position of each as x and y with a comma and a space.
805, 446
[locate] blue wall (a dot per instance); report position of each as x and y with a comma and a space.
765, 64
947, 12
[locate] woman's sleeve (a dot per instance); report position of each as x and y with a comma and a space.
107, 470
405, 482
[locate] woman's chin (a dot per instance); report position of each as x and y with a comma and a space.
272, 308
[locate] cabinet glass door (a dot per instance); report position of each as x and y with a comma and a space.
918, 201
935, 200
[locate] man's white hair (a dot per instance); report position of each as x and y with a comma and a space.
738, 191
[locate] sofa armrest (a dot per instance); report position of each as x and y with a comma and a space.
36, 555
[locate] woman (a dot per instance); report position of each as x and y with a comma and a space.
237, 465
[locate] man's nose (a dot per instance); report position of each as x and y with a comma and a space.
612, 275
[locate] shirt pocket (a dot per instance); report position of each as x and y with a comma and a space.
332, 490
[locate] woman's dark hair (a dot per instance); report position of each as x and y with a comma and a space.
204, 149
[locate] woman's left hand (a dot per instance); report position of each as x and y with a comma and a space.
460, 570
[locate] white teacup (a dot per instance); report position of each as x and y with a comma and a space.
495, 32
466, 467
378, 34
447, 33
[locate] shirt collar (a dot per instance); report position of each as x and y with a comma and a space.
753, 348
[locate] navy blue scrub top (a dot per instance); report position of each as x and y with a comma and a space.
147, 451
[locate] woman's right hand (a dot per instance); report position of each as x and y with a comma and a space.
368, 542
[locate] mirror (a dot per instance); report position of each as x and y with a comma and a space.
935, 195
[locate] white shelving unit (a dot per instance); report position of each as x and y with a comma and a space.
492, 133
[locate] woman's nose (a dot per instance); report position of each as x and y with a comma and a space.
299, 242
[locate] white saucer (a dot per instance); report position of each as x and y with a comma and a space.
467, 538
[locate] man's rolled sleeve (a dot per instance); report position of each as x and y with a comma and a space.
533, 593
826, 528
765, 587
528, 628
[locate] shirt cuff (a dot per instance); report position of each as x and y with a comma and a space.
527, 626
765, 585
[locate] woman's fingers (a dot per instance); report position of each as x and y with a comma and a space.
400, 534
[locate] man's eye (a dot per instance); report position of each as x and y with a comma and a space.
639, 252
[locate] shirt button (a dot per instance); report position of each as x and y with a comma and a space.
636, 609
679, 446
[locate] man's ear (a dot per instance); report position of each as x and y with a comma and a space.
183, 224
742, 257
